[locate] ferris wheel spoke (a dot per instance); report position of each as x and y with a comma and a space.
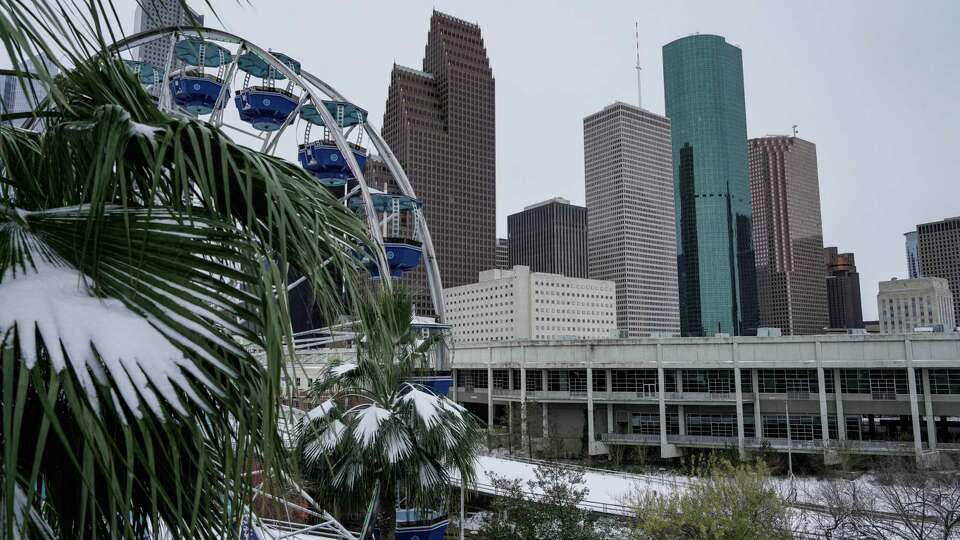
217, 117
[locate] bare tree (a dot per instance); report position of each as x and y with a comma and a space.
841, 504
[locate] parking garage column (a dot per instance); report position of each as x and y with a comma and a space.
661, 402
838, 397
609, 403
822, 393
591, 434
757, 418
738, 394
914, 405
681, 413
928, 409
490, 389
510, 403
543, 407
524, 435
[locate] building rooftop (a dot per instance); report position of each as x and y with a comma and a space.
559, 200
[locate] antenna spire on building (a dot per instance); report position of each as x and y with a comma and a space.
639, 94
794, 130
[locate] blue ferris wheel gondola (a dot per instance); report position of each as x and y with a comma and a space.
266, 107
326, 162
196, 92
403, 255
192, 89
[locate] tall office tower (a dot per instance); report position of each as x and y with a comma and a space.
939, 249
788, 235
703, 89
843, 289
503, 254
153, 14
440, 124
551, 237
913, 254
629, 194
907, 304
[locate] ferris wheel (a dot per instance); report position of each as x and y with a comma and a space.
270, 101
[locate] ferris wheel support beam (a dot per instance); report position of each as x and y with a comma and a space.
433, 269
328, 120
217, 117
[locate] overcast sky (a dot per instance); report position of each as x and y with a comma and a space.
874, 84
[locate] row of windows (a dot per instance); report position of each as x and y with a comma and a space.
945, 381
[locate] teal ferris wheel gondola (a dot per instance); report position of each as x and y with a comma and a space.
265, 107
323, 158
386, 202
192, 88
146, 73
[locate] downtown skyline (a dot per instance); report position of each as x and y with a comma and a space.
834, 77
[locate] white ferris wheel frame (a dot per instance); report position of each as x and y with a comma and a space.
314, 88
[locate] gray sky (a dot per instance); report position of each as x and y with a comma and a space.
875, 84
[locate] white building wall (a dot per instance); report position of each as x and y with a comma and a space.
907, 304
519, 304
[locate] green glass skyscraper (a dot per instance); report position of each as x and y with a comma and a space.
703, 87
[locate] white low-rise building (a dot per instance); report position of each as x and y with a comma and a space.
519, 304
909, 305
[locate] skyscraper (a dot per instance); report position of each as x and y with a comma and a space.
439, 121
503, 254
904, 305
938, 245
551, 237
843, 289
154, 14
913, 254
629, 195
703, 90
788, 235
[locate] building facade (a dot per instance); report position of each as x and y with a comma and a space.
938, 245
838, 394
905, 305
507, 305
913, 254
703, 90
154, 14
629, 195
788, 235
439, 122
843, 289
503, 254
551, 237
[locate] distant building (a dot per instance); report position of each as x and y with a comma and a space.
551, 237
441, 124
154, 14
703, 91
913, 254
905, 305
520, 304
788, 235
843, 290
938, 245
23, 94
631, 236
503, 254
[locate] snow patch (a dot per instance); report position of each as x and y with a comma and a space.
342, 369
145, 130
426, 405
368, 424
99, 337
321, 411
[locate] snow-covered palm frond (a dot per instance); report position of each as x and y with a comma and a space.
145, 326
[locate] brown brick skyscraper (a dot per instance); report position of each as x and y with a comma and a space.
440, 124
787, 234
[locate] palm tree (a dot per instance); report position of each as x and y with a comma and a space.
140, 255
377, 430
